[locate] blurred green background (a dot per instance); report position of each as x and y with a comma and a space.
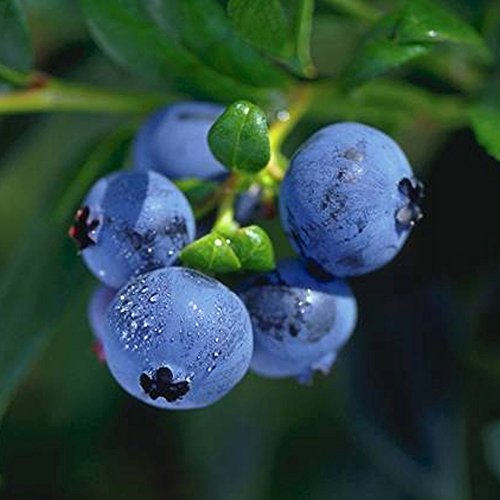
411, 409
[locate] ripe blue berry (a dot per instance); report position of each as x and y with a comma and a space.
132, 222
349, 199
299, 323
98, 309
177, 339
97, 313
173, 141
248, 205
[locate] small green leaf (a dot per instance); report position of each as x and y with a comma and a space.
15, 40
485, 121
254, 249
239, 138
282, 29
244, 249
213, 252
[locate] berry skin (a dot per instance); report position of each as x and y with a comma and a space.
173, 141
299, 323
177, 339
248, 205
131, 223
349, 200
97, 311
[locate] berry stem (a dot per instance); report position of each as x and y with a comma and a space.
225, 216
286, 120
48, 94
14, 77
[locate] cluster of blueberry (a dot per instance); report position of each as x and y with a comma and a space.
177, 339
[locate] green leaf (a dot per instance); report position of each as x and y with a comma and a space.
357, 9
485, 121
392, 105
254, 249
282, 29
202, 27
401, 36
126, 32
239, 138
212, 252
246, 249
302, 20
262, 22
15, 41
427, 21
380, 52
45, 273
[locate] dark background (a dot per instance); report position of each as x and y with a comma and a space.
410, 410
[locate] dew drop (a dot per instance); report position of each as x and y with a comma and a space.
154, 298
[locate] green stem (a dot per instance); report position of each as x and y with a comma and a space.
287, 119
53, 95
14, 77
225, 222
300, 100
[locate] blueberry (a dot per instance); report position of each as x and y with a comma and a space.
177, 339
248, 205
132, 222
97, 311
349, 199
299, 323
173, 141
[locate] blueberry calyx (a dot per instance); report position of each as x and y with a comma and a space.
161, 385
80, 231
411, 213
